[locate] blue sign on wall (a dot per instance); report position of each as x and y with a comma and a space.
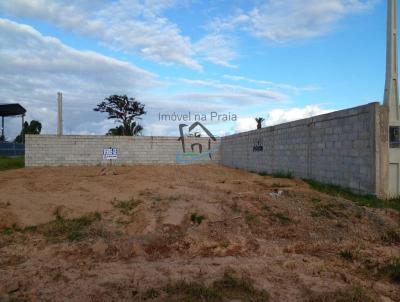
110, 153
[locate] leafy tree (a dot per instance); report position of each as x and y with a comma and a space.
34, 127
259, 121
124, 110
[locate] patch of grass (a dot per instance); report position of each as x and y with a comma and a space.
229, 287
363, 200
391, 236
157, 198
192, 292
70, 229
278, 174
282, 174
347, 254
234, 287
350, 294
15, 228
11, 162
328, 210
251, 218
235, 207
274, 185
151, 293
391, 269
125, 206
322, 210
174, 198
316, 200
197, 219
282, 218
10, 230
265, 207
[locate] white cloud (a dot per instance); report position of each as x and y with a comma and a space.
34, 67
244, 124
282, 21
217, 49
241, 93
280, 116
132, 26
271, 85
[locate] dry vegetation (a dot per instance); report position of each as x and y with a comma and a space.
189, 233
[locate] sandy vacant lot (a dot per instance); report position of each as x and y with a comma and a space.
188, 233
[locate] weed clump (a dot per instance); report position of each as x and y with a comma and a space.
392, 269
283, 218
329, 210
229, 287
125, 206
350, 294
192, 291
71, 229
251, 218
151, 293
196, 219
391, 236
347, 254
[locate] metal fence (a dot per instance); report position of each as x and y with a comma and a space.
12, 149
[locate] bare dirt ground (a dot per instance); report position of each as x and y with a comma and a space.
188, 233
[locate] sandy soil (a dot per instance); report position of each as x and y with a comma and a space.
284, 236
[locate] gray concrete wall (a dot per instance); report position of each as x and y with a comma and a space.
337, 148
67, 150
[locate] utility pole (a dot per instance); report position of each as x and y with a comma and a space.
60, 118
391, 101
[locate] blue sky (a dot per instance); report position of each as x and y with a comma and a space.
279, 59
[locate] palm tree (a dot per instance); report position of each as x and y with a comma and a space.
34, 127
133, 130
259, 121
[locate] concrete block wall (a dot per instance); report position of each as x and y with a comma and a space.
67, 150
337, 148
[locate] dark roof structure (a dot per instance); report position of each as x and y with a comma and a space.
11, 110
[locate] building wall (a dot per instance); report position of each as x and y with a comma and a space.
67, 150
347, 148
340, 148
